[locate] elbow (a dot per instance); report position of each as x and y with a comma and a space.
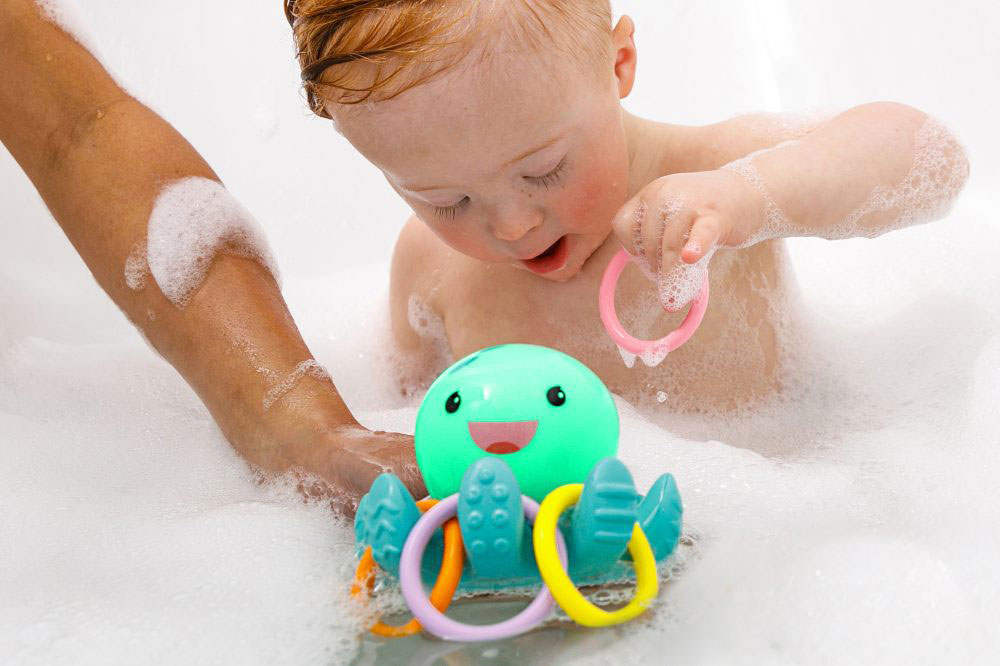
895, 116
938, 164
937, 152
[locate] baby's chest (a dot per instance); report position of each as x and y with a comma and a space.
733, 355
498, 309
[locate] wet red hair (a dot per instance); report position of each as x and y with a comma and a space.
353, 51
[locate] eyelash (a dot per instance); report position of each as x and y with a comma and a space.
449, 212
551, 178
546, 181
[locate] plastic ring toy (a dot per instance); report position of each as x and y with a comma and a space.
364, 575
444, 587
434, 620
606, 305
555, 576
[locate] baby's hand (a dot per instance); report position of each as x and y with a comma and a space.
680, 219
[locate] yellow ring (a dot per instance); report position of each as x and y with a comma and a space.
564, 591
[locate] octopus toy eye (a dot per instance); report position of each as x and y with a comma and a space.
556, 396
452, 403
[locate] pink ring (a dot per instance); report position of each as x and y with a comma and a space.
437, 622
606, 306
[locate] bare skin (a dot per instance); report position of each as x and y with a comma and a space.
483, 304
523, 155
99, 159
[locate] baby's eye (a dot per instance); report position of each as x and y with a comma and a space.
449, 212
551, 178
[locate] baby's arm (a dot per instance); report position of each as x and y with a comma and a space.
873, 168
99, 158
870, 169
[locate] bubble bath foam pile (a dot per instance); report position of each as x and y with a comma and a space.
851, 522
837, 525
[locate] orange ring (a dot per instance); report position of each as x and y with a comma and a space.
364, 575
444, 587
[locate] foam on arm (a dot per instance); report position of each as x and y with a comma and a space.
872, 169
192, 220
135, 198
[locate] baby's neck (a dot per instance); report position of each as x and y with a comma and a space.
647, 141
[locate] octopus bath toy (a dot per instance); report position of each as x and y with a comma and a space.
508, 439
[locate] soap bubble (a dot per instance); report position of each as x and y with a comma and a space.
192, 220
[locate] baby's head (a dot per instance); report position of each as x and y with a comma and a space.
498, 121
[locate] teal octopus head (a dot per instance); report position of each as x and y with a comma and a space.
545, 414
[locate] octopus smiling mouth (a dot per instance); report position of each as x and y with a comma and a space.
502, 436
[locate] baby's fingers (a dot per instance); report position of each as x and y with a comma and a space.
627, 225
704, 235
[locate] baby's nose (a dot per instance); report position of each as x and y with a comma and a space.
512, 224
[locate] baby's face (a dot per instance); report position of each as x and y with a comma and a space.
522, 160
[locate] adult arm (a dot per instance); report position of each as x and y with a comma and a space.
99, 158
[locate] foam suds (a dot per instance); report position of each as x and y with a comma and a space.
309, 367
649, 259
927, 192
852, 491
67, 15
939, 172
638, 242
136, 267
677, 285
415, 375
777, 127
654, 356
628, 358
776, 223
849, 521
680, 285
194, 219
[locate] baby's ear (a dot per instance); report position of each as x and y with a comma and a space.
623, 40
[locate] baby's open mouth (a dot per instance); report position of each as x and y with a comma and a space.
553, 258
502, 436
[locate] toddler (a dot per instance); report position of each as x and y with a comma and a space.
500, 123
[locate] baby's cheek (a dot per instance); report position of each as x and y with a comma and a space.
463, 239
592, 204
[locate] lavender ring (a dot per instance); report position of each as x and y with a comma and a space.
437, 622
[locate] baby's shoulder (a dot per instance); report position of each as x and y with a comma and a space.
414, 257
410, 294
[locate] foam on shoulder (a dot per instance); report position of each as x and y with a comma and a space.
193, 219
